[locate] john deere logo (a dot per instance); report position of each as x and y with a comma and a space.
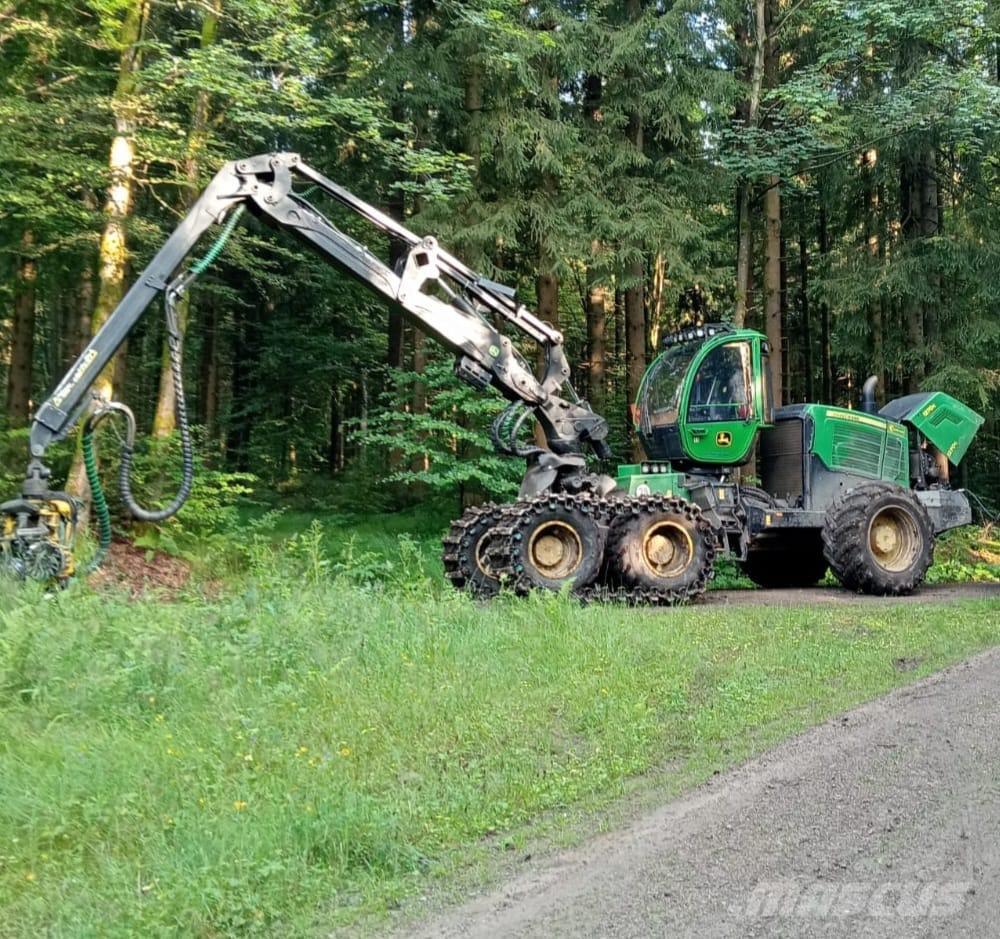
723, 438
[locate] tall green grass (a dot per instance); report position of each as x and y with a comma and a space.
338, 730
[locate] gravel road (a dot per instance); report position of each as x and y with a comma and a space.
808, 596
882, 822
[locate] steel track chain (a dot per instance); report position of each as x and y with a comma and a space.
607, 511
459, 547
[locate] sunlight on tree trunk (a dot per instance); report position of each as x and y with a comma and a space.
22, 346
113, 250
165, 419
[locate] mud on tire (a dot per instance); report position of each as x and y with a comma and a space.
663, 547
549, 542
466, 550
878, 539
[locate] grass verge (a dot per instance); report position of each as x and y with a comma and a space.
332, 736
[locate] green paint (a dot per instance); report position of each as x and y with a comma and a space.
946, 423
714, 390
861, 444
631, 477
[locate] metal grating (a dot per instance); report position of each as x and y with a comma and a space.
857, 449
894, 463
781, 459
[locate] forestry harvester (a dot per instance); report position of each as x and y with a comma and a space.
861, 492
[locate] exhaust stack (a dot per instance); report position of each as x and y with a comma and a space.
868, 404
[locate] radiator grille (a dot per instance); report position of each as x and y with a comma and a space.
857, 448
781, 459
895, 463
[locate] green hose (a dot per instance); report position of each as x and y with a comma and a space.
98, 501
202, 265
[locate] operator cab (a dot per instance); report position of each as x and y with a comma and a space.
705, 397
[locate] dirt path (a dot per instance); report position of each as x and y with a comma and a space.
942, 593
882, 822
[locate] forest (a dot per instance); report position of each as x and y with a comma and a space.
272, 715
823, 170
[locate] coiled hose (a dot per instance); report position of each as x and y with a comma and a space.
138, 511
174, 291
99, 502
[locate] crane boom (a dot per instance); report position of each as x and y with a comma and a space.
264, 184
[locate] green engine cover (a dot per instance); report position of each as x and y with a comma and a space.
944, 421
861, 444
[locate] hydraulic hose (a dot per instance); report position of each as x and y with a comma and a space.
172, 295
99, 502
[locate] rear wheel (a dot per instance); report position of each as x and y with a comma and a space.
663, 547
879, 539
466, 550
794, 561
550, 542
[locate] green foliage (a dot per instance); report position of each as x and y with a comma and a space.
444, 447
967, 555
211, 512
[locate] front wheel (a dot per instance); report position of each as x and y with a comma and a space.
548, 543
878, 539
664, 548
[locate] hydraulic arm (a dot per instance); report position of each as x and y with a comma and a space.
431, 287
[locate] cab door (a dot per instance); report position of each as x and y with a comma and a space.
722, 403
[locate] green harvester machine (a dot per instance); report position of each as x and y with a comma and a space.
860, 492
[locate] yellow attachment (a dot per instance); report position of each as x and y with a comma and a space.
40, 545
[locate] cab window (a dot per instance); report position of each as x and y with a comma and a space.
661, 392
721, 388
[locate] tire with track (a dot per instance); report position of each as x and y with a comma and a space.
549, 542
662, 548
878, 539
466, 550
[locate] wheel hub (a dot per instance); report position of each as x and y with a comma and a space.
893, 539
482, 549
667, 549
555, 550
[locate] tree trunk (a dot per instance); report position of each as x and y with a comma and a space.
826, 357
473, 106
336, 452
113, 251
744, 254
635, 312
421, 462
772, 221
744, 257
597, 313
772, 284
22, 348
547, 293
930, 222
913, 312
165, 419
597, 292
210, 370
804, 312
870, 208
